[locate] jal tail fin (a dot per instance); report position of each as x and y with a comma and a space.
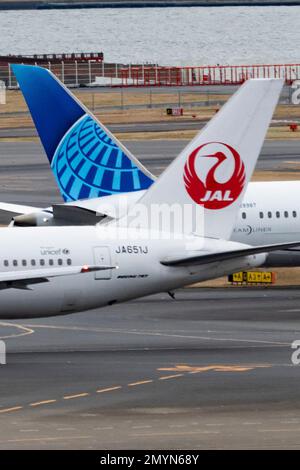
213, 171
86, 159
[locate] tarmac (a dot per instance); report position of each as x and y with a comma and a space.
210, 370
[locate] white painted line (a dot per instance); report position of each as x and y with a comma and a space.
29, 430
8, 410
40, 403
24, 330
78, 395
109, 389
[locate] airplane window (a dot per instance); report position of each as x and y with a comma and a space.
42, 262
261, 215
51, 262
60, 261
244, 215
294, 214
69, 261
24, 262
286, 214
6, 263
33, 262
15, 262
270, 215
277, 214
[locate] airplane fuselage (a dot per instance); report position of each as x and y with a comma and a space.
135, 259
270, 213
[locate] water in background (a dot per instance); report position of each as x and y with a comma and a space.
175, 36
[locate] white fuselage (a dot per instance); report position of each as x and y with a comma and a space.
136, 258
270, 213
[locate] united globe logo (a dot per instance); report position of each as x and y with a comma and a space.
89, 164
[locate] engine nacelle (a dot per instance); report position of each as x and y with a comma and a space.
36, 219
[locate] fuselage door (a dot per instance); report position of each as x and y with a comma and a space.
102, 257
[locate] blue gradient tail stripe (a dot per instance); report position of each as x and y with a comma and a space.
85, 160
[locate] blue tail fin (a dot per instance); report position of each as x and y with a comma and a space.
86, 159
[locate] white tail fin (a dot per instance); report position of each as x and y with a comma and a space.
213, 171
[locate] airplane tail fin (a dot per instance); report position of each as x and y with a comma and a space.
86, 159
213, 171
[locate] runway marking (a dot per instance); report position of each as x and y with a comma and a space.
29, 430
183, 369
167, 377
216, 368
290, 310
104, 428
109, 389
66, 429
146, 426
8, 410
44, 402
46, 439
159, 334
78, 395
252, 423
141, 382
148, 434
291, 421
279, 430
25, 330
214, 424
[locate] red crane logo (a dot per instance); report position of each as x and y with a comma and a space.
210, 193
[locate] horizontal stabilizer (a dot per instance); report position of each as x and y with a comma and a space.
206, 258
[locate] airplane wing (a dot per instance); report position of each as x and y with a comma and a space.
86, 212
32, 276
18, 208
206, 258
58, 214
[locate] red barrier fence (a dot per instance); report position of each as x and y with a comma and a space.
94, 72
206, 75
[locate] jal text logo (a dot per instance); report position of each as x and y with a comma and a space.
219, 178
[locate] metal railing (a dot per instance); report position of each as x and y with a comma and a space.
92, 73
206, 75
